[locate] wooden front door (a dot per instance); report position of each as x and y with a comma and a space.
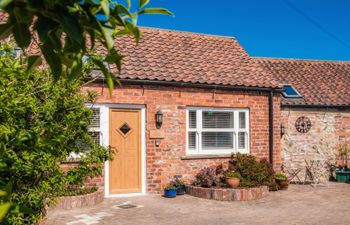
125, 139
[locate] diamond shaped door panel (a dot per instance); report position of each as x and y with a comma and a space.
125, 128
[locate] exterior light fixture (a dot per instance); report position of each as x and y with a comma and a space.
159, 119
282, 130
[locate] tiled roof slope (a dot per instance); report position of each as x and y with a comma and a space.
166, 55
323, 83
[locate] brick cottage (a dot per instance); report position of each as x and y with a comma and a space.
213, 99
187, 101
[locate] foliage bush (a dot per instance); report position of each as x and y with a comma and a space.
40, 123
254, 173
209, 177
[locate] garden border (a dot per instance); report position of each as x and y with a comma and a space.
228, 194
71, 202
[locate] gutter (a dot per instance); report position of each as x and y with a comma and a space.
190, 85
316, 106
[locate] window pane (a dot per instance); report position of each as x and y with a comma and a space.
96, 137
192, 140
192, 119
95, 119
242, 120
83, 146
217, 119
217, 140
290, 91
241, 140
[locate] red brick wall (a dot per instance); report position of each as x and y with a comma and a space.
165, 161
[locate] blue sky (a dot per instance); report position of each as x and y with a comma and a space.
265, 28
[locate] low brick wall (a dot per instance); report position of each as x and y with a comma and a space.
229, 194
70, 202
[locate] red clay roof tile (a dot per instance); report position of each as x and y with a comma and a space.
323, 83
166, 55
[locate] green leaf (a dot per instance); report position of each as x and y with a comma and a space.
108, 75
105, 7
21, 34
76, 70
4, 208
143, 3
72, 27
4, 3
122, 10
116, 58
25, 209
110, 82
5, 30
33, 61
128, 3
53, 60
134, 31
8, 188
2, 193
108, 36
92, 39
161, 11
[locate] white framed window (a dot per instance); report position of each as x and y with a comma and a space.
94, 130
217, 130
94, 127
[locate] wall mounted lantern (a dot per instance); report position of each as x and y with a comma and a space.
159, 119
282, 130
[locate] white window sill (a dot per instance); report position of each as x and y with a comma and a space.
206, 156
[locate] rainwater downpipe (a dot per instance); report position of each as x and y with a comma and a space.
271, 126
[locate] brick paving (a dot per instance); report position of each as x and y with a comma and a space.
298, 205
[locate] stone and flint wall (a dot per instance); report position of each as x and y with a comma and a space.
330, 129
167, 160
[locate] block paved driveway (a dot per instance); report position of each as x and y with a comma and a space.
297, 205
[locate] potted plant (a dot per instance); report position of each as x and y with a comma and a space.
343, 174
282, 180
170, 192
180, 186
233, 179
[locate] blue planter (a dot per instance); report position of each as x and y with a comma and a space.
170, 193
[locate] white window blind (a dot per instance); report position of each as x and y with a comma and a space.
216, 130
242, 120
94, 127
192, 119
217, 119
95, 119
217, 140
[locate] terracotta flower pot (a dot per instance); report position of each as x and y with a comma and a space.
233, 181
283, 184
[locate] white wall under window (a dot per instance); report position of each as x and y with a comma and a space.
217, 130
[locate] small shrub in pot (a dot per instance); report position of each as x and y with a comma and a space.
282, 180
180, 185
170, 192
233, 179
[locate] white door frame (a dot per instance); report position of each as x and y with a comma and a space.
104, 141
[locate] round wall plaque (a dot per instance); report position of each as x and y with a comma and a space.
303, 124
